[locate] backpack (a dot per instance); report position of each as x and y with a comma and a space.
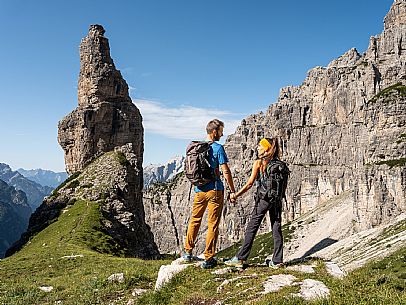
272, 185
197, 165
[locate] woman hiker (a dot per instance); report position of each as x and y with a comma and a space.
272, 175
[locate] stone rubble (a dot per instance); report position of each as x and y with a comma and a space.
226, 282
311, 290
302, 268
46, 288
116, 277
334, 270
356, 250
222, 271
278, 281
138, 292
72, 256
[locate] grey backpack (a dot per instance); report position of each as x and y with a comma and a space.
197, 165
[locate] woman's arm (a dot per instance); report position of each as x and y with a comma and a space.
251, 180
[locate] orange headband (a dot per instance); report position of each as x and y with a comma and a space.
265, 144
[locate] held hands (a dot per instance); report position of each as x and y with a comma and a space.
232, 197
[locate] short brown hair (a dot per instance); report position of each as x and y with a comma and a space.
214, 125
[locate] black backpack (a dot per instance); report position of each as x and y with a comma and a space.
272, 185
197, 165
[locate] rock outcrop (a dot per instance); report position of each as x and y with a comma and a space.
342, 130
106, 117
112, 181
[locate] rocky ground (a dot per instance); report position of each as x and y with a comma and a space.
327, 232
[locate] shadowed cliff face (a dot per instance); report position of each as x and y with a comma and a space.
14, 214
342, 129
106, 117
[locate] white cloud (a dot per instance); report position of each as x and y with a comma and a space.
183, 122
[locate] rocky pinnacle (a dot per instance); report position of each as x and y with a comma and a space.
105, 117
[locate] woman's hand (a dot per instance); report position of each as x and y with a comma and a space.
233, 197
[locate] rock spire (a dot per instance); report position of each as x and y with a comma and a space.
105, 117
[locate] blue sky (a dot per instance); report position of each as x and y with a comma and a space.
185, 62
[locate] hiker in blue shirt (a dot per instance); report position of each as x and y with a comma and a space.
210, 196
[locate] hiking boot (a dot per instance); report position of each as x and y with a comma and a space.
210, 263
235, 262
273, 265
187, 257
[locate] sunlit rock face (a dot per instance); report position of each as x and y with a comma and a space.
342, 129
105, 117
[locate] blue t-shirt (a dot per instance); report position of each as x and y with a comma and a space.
217, 157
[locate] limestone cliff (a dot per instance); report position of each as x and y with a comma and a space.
343, 130
106, 117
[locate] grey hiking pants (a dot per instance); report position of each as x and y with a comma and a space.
257, 215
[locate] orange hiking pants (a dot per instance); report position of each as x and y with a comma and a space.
214, 200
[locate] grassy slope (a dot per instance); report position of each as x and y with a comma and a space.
83, 280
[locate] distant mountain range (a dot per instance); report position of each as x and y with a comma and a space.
161, 173
14, 215
44, 177
38, 183
35, 192
21, 192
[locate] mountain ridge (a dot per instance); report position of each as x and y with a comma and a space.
162, 172
14, 215
34, 191
43, 176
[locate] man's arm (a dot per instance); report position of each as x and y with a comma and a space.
227, 174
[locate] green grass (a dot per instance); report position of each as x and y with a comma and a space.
401, 138
393, 163
392, 91
83, 280
80, 280
122, 159
261, 248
